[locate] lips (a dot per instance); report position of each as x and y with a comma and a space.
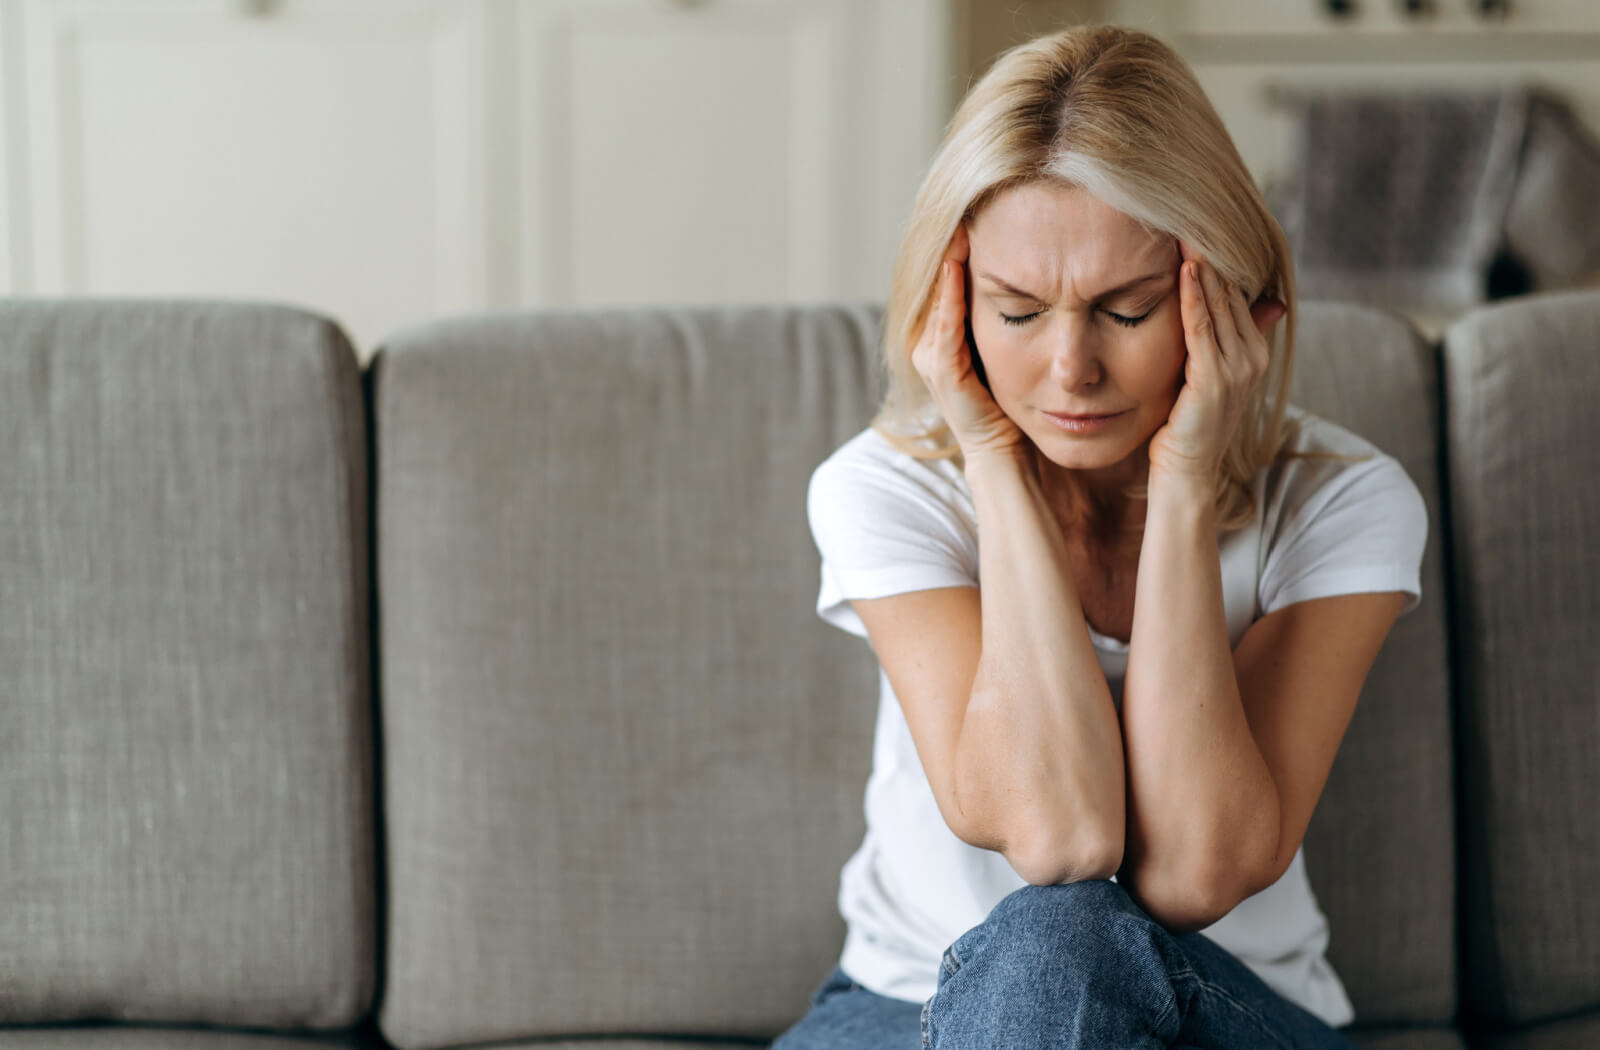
1082, 424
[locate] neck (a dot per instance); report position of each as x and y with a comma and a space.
1093, 505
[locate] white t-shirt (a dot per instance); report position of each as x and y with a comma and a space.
887, 523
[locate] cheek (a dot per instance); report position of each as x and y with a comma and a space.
995, 342
1177, 348
1162, 360
990, 331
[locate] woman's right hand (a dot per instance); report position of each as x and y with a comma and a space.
944, 360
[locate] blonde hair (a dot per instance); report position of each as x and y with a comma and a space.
1119, 114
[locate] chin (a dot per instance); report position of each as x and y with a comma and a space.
1076, 452
1087, 454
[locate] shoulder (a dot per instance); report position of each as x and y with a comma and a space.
870, 503
1337, 515
1324, 464
869, 470
886, 522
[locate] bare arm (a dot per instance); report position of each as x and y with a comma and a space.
1202, 805
1001, 688
1040, 747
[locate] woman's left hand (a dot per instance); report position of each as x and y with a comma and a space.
1227, 358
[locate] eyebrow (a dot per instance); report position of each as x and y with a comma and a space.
1108, 293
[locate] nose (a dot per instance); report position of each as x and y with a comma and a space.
1075, 363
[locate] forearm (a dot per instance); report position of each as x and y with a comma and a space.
1040, 749
1202, 807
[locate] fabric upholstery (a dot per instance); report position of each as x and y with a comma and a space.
185, 747
624, 759
1571, 1033
1524, 453
130, 1037
1380, 849
1407, 1039
635, 1044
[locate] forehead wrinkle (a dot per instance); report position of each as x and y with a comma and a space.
1044, 251
1109, 287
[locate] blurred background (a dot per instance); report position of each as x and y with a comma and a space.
391, 161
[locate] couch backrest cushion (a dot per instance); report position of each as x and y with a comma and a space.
624, 758
1380, 849
185, 753
1522, 380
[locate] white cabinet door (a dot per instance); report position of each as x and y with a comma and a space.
723, 151
330, 153
389, 161
13, 206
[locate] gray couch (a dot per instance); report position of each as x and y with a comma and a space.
477, 696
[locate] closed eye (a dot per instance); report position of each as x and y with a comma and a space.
1127, 322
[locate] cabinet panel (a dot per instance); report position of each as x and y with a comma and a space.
1265, 131
722, 152
1263, 17
331, 153
387, 161
681, 137
13, 211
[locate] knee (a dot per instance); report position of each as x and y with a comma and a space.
1065, 906
1087, 895
1095, 916
1078, 955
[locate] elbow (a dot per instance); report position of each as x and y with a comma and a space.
1187, 912
1190, 900
1044, 860
1186, 894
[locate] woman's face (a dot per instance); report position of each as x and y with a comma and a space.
1075, 311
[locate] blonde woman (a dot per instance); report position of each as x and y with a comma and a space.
1093, 772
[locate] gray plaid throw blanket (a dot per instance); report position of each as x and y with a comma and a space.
1441, 201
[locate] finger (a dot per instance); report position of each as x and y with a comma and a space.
1255, 347
941, 291
1227, 335
953, 329
932, 332
1198, 328
956, 254
1259, 316
955, 296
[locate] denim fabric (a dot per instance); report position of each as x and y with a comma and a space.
1122, 982
846, 1016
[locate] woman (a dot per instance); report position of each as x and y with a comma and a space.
1093, 773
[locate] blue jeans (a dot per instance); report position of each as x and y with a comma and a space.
1078, 966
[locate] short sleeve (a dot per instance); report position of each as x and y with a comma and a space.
882, 531
1360, 530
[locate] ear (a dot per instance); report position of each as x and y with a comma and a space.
1266, 313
